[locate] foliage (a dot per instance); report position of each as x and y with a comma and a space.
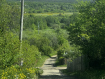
91, 74
30, 55
11, 53
31, 22
45, 7
10, 16
88, 32
43, 22
72, 52
9, 47
88, 74
43, 44
60, 53
42, 36
51, 1
64, 46
48, 40
12, 73
3, 20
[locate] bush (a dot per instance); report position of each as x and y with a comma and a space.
60, 53
9, 50
47, 50
61, 60
30, 54
22, 73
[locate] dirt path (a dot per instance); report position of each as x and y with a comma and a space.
51, 72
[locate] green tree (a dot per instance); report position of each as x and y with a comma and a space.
9, 47
88, 32
30, 54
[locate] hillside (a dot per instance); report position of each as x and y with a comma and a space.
72, 1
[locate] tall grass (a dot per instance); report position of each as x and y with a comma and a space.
49, 14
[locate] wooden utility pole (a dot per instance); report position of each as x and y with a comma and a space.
21, 28
21, 23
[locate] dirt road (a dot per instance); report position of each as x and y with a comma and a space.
51, 72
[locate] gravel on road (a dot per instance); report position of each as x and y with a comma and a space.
51, 72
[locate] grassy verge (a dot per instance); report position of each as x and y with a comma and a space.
54, 53
65, 65
88, 74
43, 58
66, 72
41, 61
22, 72
92, 74
58, 64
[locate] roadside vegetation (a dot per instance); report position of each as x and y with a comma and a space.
49, 14
87, 32
42, 38
50, 29
87, 74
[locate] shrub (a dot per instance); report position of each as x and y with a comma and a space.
47, 50
60, 53
9, 50
22, 73
30, 54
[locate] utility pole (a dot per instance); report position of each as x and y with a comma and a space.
21, 28
21, 23
38, 27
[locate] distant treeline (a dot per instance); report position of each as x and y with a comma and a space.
72, 1
45, 7
39, 7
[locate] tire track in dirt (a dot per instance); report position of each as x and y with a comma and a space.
51, 72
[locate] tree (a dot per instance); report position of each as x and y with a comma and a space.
88, 32
9, 42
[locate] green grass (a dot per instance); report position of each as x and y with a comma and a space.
58, 64
91, 74
66, 72
88, 74
41, 61
43, 58
54, 53
31, 33
48, 14
65, 65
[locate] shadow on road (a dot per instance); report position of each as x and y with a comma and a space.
53, 57
56, 77
50, 71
